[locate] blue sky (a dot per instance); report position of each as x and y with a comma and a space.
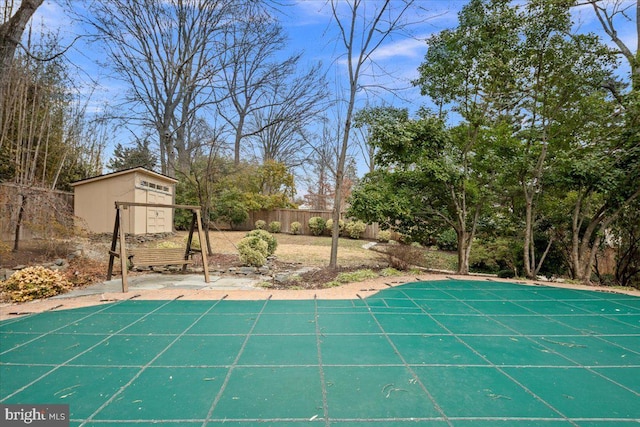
308, 23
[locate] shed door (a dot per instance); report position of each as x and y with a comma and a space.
156, 217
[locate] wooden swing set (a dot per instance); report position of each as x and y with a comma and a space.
149, 257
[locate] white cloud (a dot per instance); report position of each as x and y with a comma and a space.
407, 48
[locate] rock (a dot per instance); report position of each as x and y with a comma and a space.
281, 277
75, 254
19, 267
59, 262
247, 270
369, 245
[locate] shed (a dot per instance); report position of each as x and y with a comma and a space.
94, 201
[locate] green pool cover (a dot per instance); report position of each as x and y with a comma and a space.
442, 353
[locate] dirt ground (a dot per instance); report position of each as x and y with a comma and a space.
292, 253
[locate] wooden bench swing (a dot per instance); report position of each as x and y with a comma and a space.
149, 257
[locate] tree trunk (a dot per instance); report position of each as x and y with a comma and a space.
23, 204
11, 33
465, 238
337, 200
379, 26
528, 227
544, 255
583, 251
463, 252
238, 139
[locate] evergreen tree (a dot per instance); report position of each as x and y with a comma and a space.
130, 157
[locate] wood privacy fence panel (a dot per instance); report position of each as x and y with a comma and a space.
286, 216
44, 211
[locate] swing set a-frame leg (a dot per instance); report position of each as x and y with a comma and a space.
195, 221
112, 252
118, 234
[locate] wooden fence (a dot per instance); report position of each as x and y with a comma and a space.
286, 216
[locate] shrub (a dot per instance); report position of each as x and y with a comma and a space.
275, 227
405, 239
33, 283
4, 248
329, 226
267, 237
253, 251
295, 227
389, 272
355, 229
384, 236
495, 256
352, 276
230, 207
398, 264
317, 225
260, 224
448, 240
195, 241
506, 274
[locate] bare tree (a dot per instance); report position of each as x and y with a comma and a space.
250, 45
205, 170
292, 103
268, 103
168, 54
362, 28
322, 162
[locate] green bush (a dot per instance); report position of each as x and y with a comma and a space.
275, 227
230, 207
260, 224
355, 229
389, 272
295, 227
34, 283
405, 239
506, 274
267, 237
329, 226
495, 256
317, 225
253, 251
384, 236
448, 240
352, 276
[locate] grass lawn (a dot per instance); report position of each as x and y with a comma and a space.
314, 251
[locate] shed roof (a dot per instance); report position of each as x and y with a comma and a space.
124, 172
